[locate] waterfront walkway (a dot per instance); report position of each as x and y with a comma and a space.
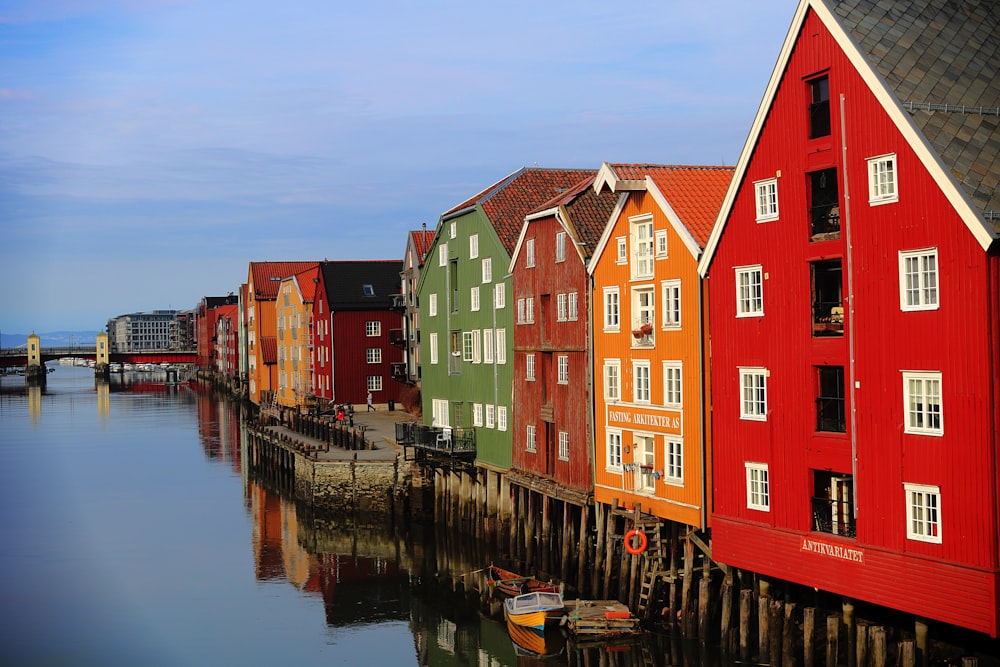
379, 429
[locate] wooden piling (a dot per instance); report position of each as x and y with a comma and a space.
725, 625
832, 640
907, 653
776, 625
704, 617
808, 633
600, 519
688, 605
920, 631
746, 604
788, 637
878, 649
861, 659
763, 627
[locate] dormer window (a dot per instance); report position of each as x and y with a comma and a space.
819, 107
369, 290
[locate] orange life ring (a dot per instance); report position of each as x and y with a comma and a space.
643, 542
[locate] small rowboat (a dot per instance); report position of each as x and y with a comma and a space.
511, 584
534, 610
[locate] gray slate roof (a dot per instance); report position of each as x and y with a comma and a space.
939, 56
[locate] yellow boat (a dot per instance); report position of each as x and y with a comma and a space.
534, 610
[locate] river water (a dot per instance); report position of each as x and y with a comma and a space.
131, 534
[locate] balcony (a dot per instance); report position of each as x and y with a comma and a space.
833, 517
399, 371
398, 302
453, 442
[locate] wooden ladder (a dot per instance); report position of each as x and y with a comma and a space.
654, 568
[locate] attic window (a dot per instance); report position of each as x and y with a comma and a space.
368, 290
819, 107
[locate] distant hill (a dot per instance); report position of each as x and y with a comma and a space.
51, 339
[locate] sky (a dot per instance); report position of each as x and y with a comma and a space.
150, 149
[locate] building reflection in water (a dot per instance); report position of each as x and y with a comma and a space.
103, 400
35, 403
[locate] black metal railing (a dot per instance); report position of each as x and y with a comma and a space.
833, 516
452, 441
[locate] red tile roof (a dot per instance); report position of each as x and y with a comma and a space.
267, 276
588, 211
422, 239
307, 283
694, 192
269, 349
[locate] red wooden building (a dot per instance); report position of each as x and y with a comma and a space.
356, 331
552, 411
206, 322
855, 309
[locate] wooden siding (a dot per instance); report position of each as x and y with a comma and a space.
677, 502
350, 365
958, 339
552, 407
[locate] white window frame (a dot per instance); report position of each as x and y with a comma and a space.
467, 346
563, 446
473, 246
753, 393
373, 355
521, 310
487, 270
574, 306
432, 343
501, 417
613, 460
529, 310
374, 383
758, 487
491, 413
560, 246
643, 306
476, 347
453, 229
920, 388
529, 367
918, 280
671, 290
474, 298
642, 243
373, 328
501, 341
622, 254
529, 253
641, 381
432, 305
530, 445
882, 182
644, 454
923, 512
749, 291
766, 199
673, 458
612, 380
612, 309
561, 307
499, 296
443, 254
477, 414
488, 346
439, 412
660, 245
673, 384
562, 362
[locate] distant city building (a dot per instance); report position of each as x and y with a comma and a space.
156, 330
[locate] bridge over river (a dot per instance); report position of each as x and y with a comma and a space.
19, 356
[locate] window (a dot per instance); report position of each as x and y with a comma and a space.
758, 490
529, 310
819, 107
432, 343
374, 355
672, 304
476, 357
520, 311
502, 417
491, 413
563, 446
918, 282
622, 256
923, 512
477, 414
614, 459
560, 307
487, 269
474, 298
467, 346
443, 254
612, 380
439, 407
749, 291
882, 180
499, 296
640, 381
432, 305
373, 328
529, 253
753, 404
529, 438
833, 503
830, 399
922, 403
529, 367
561, 247
374, 383
488, 346
824, 205
473, 246
645, 456
827, 300
501, 340
563, 362
574, 309
674, 471
642, 246
643, 313
767, 199
611, 311
673, 395
455, 358
661, 243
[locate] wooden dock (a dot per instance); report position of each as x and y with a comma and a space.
590, 619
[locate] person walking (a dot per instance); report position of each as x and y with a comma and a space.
371, 408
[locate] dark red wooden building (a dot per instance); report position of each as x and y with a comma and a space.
206, 322
855, 309
356, 332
